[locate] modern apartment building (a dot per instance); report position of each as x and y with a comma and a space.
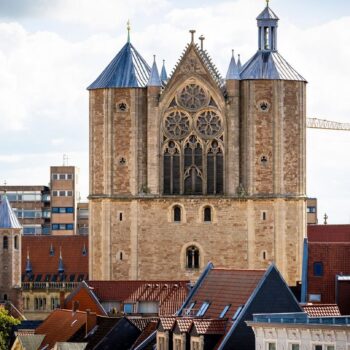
50, 209
64, 196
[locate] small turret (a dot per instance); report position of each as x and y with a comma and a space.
154, 79
233, 70
163, 74
28, 265
60, 263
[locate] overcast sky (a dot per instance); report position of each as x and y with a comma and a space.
51, 50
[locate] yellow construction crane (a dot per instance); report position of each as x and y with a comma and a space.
316, 123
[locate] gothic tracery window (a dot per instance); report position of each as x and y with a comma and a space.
193, 144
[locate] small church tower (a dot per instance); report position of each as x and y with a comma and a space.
10, 254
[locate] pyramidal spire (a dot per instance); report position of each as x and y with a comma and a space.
8, 218
154, 79
163, 74
28, 264
233, 71
239, 64
60, 262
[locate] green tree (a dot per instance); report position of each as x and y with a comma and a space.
6, 324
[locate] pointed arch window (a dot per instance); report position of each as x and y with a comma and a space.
15, 242
215, 169
192, 257
5, 242
193, 166
171, 168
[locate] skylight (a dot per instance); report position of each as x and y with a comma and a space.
238, 311
223, 313
203, 309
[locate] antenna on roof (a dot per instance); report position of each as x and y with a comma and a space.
128, 29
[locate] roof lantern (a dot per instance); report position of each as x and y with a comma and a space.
267, 24
154, 79
233, 70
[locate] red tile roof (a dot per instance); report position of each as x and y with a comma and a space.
328, 233
142, 322
184, 324
208, 326
44, 264
223, 287
321, 310
167, 323
169, 294
61, 325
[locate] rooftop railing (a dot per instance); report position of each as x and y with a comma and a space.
49, 285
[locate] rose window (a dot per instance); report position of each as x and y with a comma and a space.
177, 124
208, 123
192, 97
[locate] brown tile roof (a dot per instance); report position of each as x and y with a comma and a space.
60, 326
328, 233
167, 323
208, 326
44, 264
147, 331
184, 324
86, 298
142, 322
223, 287
321, 310
169, 294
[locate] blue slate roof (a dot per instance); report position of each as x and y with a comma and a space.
127, 70
8, 218
267, 14
269, 65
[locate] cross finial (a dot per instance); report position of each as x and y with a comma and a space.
325, 218
128, 29
192, 31
201, 38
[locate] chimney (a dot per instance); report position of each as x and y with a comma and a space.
90, 320
62, 299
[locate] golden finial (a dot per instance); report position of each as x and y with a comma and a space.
128, 29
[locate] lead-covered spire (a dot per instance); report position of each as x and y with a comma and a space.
163, 73
154, 79
233, 70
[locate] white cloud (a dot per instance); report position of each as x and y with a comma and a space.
44, 104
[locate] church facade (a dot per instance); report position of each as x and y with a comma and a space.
197, 168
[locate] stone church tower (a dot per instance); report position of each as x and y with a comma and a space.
197, 168
10, 255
